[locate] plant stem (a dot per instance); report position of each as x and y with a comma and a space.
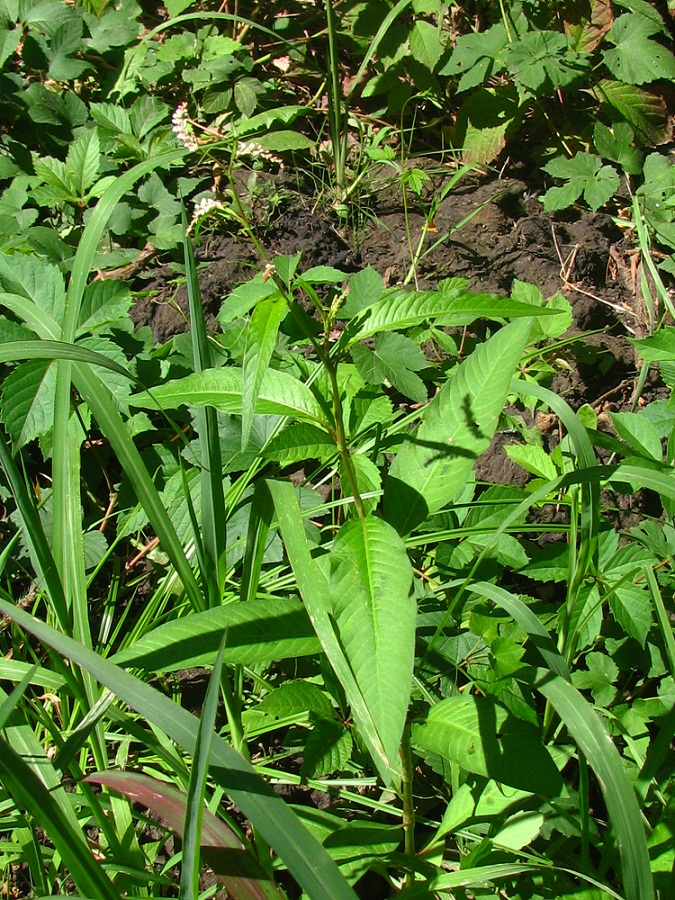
408, 802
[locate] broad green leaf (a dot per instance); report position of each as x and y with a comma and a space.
368, 479
486, 739
370, 582
484, 121
658, 347
394, 358
314, 589
425, 43
631, 607
616, 144
477, 56
599, 678
293, 697
327, 750
299, 442
639, 433
539, 64
280, 394
534, 459
105, 302
259, 631
645, 112
245, 297
636, 58
27, 403
36, 280
322, 275
454, 306
283, 141
83, 160
434, 463
585, 175
224, 851
365, 288
261, 338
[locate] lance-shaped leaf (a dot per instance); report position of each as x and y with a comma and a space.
454, 306
370, 580
280, 394
230, 858
261, 339
435, 463
259, 631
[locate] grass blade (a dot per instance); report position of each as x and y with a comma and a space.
306, 859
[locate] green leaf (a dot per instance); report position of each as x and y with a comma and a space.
616, 144
477, 57
278, 825
259, 631
637, 59
486, 739
394, 358
314, 589
370, 582
365, 288
105, 303
597, 746
484, 121
368, 479
434, 464
600, 678
533, 459
299, 442
585, 174
425, 44
327, 750
83, 160
454, 305
261, 338
280, 394
245, 297
30, 793
539, 63
632, 609
37, 280
639, 433
27, 403
284, 141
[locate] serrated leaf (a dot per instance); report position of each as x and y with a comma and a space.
639, 433
117, 383
105, 302
280, 394
83, 160
425, 44
299, 442
261, 338
636, 58
434, 465
293, 697
327, 750
478, 56
483, 122
533, 459
365, 288
453, 305
484, 738
585, 174
244, 298
368, 479
370, 581
394, 358
538, 62
600, 678
28, 401
616, 144
644, 111
259, 631
632, 608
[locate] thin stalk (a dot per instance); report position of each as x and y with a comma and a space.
338, 133
407, 771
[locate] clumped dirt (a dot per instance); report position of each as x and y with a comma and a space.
490, 230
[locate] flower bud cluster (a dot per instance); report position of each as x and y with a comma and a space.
181, 127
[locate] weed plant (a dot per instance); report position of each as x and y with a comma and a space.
283, 514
